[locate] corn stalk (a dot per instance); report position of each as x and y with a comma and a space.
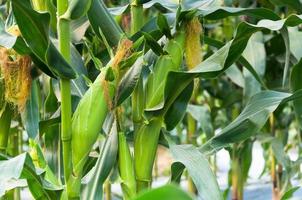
66, 129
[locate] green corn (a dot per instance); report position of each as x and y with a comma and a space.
126, 168
166, 63
88, 119
146, 138
145, 147
87, 122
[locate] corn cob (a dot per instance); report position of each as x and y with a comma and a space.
146, 138
91, 112
166, 63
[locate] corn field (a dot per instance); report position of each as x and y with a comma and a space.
101, 99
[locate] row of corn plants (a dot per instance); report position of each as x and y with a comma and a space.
89, 90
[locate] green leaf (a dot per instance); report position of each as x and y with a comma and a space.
6, 40
51, 102
78, 85
235, 75
79, 28
279, 153
294, 4
34, 27
76, 9
289, 193
152, 43
163, 25
177, 169
168, 192
199, 169
93, 189
250, 121
215, 13
220, 60
202, 115
31, 115
295, 43
100, 18
24, 169
256, 55
296, 84
129, 81
284, 33
178, 109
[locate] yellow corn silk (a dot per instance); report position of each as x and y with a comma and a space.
193, 49
15, 70
193, 43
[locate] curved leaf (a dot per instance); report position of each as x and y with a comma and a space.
296, 84
77, 9
199, 169
99, 173
31, 115
100, 18
24, 169
251, 119
34, 27
220, 60
129, 81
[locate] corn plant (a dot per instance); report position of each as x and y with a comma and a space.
90, 89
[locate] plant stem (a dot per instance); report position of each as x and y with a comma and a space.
138, 94
191, 129
276, 191
64, 46
5, 121
108, 190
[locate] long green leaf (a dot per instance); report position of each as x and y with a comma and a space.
34, 27
31, 116
24, 169
296, 84
220, 60
251, 119
97, 176
100, 18
199, 169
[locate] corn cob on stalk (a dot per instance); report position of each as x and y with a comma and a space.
193, 55
91, 112
166, 63
146, 138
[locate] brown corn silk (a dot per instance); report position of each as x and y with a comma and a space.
15, 70
123, 51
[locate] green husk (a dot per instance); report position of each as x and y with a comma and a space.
88, 119
91, 112
166, 63
126, 168
146, 138
145, 147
